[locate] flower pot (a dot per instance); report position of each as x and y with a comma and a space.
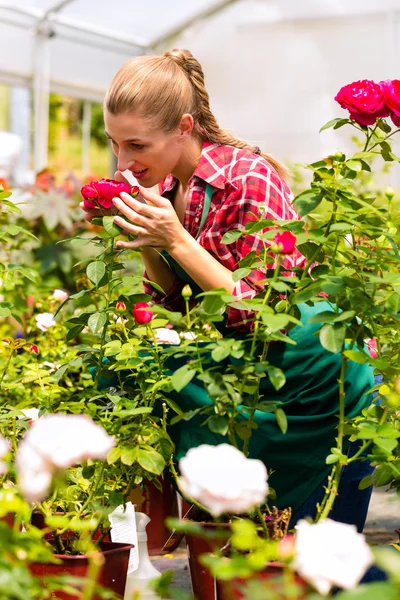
271, 579
112, 575
157, 505
203, 583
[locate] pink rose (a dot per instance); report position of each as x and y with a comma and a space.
391, 95
142, 313
286, 241
101, 193
364, 100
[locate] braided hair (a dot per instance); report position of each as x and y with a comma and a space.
163, 88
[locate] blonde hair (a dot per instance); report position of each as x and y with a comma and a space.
163, 88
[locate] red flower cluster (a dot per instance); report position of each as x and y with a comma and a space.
368, 101
142, 313
101, 193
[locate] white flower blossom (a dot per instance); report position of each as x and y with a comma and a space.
188, 335
44, 321
4, 448
167, 336
30, 413
223, 479
56, 442
60, 295
330, 553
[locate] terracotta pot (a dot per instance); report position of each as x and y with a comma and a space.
112, 575
203, 583
157, 505
271, 579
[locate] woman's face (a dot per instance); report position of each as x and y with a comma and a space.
149, 153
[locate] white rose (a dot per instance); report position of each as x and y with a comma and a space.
44, 321
188, 335
4, 448
167, 336
60, 295
31, 413
330, 553
223, 479
56, 442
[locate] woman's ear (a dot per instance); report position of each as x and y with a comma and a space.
186, 125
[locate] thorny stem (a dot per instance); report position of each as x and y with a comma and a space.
105, 327
325, 508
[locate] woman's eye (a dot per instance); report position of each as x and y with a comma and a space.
137, 146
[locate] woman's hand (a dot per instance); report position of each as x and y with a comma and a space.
154, 223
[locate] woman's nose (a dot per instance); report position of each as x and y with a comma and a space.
125, 161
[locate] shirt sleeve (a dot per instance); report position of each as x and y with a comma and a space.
259, 194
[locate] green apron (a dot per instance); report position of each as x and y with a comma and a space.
310, 400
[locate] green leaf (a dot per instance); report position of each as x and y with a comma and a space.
371, 591
110, 227
95, 271
281, 419
355, 356
218, 424
386, 444
307, 201
354, 165
382, 475
151, 461
276, 376
336, 123
240, 274
346, 315
213, 303
331, 459
130, 455
231, 236
182, 377
74, 331
97, 321
332, 337
365, 482
326, 316
114, 455
4, 311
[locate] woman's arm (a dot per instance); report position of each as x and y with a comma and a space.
157, 269
200, 265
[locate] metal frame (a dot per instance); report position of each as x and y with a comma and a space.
45, 26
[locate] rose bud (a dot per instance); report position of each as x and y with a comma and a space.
134, 191
187, 292
142, 313
285, 242
120, 306
34, 349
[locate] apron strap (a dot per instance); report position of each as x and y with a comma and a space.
206, 207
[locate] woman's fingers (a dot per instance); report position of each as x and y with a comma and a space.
140, 207
129, 227
129, 213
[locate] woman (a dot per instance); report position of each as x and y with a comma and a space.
161, 128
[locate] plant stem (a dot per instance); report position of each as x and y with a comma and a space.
333, 487
108, 300
262, 522
96, 561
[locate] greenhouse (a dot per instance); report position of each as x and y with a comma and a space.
199, 299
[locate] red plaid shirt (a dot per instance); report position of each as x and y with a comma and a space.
243, 183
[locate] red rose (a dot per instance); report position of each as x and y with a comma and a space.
286, 241
34, 349
142, 313
102, 192
391, 95
364, 100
